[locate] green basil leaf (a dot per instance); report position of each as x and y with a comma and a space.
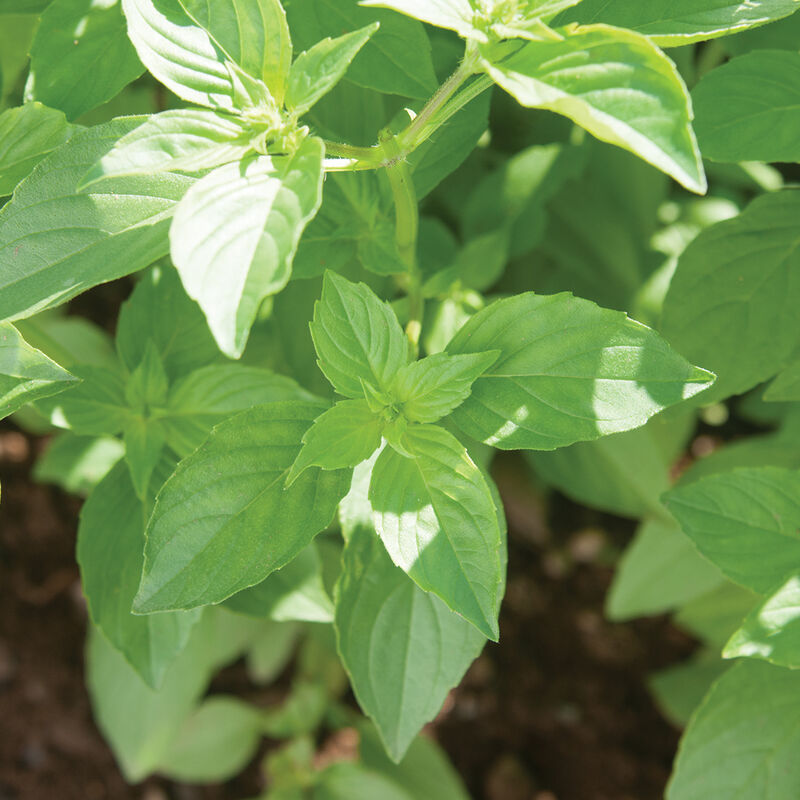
615, 84
225, 513
27, 135
429, 389
110, 545
671, 23
183, 56
357, 337
77, 463
747, 522
569, 371
436, 516
159, 311
343, 436
732, 301
56, 243
402, 647
293, 593
352, 781
253, 33
144, 442
81, 56
26, 374
316, 71
23, 6
208, 396
771, 631
148, 384
235, 234
187, 139
660, 571
747, 109
215, 742
396, 60
743, 740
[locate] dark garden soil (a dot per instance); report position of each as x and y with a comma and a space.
558, 710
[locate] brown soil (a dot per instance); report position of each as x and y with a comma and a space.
557, 711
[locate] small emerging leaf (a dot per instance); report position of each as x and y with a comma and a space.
357, 337
316, 71
343, 436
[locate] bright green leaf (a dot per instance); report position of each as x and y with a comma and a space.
235, 234
786, 387
749, 108
186, 139
81, 56
429, 389
436, 516
56, 243
343, 436
110, 545
671, 23
732, 302
747, 522
457, 15
77, 463
569, 371
743, 740
223, 521
352, 781
357, 337
144, 442
26, 374
27, 135
316, 71
616, 85
402, 647
148, 384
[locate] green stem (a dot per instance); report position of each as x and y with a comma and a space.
406, 231
368, 155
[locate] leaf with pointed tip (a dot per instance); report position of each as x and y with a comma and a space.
357, 337
110, 545
184, 57
210, 395
27, 135
223, 522
614, 83
671, 23
26, 374
732, 302
396, 60
185, 139
81, 56
56, 243
749, 108
253, 33
343, 436
569, 371
431, 388
436, 516
743, 740
235, 234
403, 649
316, 71
747, 522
